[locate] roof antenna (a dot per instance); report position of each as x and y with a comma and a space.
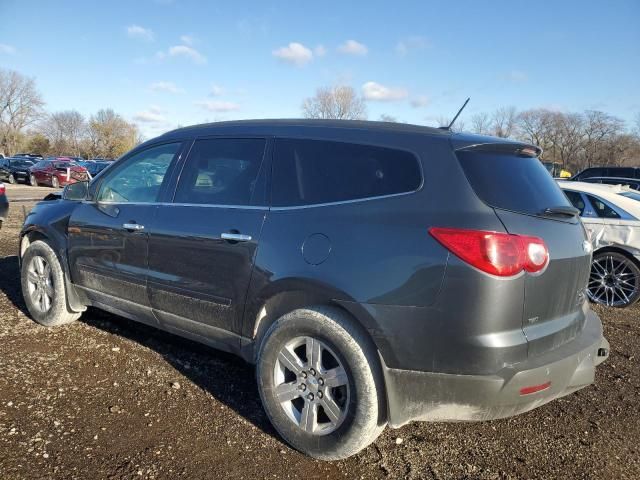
457, 115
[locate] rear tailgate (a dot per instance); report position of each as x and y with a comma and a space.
520, 189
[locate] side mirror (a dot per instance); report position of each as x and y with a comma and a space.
76, 191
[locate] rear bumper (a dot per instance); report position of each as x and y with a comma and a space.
425, 396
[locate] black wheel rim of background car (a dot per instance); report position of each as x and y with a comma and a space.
613, 281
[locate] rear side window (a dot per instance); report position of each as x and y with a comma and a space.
602, 209
221, 171
308, 172
511, 182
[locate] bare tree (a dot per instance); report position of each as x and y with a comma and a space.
534, 126
20, 105
481, 124
503, 122
340, 102
568, 137
65, 132
109, 135
599, 126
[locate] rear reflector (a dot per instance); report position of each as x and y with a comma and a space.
534, 388
497, 253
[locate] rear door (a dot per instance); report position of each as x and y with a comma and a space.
520, 189
203, 244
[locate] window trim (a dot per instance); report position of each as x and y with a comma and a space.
417, 158
264, 163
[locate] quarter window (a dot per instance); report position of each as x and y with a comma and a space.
308, 172
602, 209
141, 176
221, 171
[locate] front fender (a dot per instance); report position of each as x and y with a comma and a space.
49, 221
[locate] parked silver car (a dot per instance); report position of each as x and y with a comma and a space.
611, 215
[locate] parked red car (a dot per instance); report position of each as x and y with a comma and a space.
57, 173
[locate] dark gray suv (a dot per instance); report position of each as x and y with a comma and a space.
375, 273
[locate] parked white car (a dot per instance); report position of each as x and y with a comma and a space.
611, 216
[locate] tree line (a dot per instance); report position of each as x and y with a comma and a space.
25, 126
576, 140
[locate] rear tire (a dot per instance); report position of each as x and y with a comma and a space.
614, 280
43, 286
12, 179
331, 411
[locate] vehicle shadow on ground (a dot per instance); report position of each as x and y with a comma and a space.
226, 377
10, 282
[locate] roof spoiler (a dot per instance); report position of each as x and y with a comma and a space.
504, 147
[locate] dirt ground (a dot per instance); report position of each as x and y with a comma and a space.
106, 398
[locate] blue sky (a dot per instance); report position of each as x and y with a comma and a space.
163, 63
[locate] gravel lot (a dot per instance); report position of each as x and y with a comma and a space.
107, 398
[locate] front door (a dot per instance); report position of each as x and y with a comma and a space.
203, 244
108, 241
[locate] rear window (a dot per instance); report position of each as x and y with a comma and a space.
308, 172
633, 195
511, 182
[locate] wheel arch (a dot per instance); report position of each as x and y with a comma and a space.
76, 301
620, 250
292, 295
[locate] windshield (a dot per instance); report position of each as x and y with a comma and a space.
632, 195
21, 163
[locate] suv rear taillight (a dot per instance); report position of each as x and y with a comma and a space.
2, 189
501, 254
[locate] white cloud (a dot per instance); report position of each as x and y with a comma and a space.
404, 46
189, 52
218, 105
216, 90
320, 51
8, 49
351, 47
187, 39
420, 101
136, 31
377, 92
153, 114
517, 76
295, 53
168, 87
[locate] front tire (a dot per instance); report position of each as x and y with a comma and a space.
33, 181
43, 286
320, 383
614, 280
12, 179
54, 182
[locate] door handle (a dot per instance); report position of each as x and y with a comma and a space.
135, 227
236, 237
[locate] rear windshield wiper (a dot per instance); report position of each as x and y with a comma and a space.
562, 210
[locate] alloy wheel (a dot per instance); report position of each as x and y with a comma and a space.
311, 385
613, 281
40, 283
